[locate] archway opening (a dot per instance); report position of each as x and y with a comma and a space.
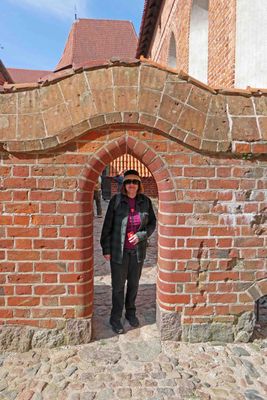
146, 299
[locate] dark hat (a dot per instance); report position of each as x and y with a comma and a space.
131, 172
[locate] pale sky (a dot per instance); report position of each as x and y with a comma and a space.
33, 33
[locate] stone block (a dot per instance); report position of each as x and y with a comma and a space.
149, 101
31, 126
8, 103
103, 100
263, 127
78, 331
32, 145
178, 90
192, 120
97, 121
245, 327
218, 105
125, 76
217, 128
113, 118
57, 119
170, 109
169, 324
130, 118
240, 105
50, 142
245, 129
100, 79
7, 127
213, 332
29, 102
261, 105
50, 96
126, 98
14, 338
48, 339
152, 78
199, 99
78, 98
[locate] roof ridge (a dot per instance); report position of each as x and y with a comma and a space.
28, 69
103, 19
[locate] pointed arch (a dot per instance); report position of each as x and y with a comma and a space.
107, 153
172, 57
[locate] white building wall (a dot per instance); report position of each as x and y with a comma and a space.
198, 41
251, 44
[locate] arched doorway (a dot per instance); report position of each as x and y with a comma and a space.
146, 299
145, 154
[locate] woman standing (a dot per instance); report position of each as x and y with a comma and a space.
129, 221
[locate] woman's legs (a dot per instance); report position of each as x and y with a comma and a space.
133, 277
129, 270
118, 279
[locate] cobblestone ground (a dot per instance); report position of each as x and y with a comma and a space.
135, 365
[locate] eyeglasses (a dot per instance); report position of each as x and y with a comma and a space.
133, 181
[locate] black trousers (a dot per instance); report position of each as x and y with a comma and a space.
130, 271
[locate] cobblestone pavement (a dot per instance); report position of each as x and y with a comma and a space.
135, 365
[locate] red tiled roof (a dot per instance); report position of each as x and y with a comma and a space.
26, 75
98, 39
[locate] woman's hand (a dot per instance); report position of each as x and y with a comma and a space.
133, 239
107, 257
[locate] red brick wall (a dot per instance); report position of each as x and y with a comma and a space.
222, 22
212, 241
175, 17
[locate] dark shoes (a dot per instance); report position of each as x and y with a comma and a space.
133, 320
116, 326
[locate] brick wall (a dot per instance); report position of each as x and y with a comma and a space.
212, 241
222, 22
210, 171
175, 17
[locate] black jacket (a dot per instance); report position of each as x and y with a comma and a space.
115, 223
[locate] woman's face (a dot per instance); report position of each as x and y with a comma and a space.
131, 187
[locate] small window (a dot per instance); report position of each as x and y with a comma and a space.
172, 52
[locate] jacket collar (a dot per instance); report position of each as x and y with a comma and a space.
139, 198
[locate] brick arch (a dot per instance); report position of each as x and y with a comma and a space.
166, 193
138, 95
257, 290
